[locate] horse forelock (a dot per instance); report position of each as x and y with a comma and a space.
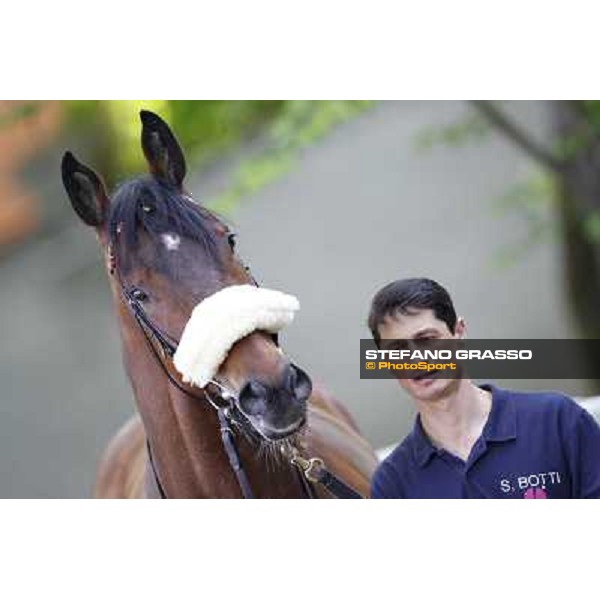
147, 206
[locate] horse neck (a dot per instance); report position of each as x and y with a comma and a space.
184, 435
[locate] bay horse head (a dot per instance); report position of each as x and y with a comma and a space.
164, 254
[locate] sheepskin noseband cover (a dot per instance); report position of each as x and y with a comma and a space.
222, 319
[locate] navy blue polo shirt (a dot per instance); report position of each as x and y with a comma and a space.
533, 446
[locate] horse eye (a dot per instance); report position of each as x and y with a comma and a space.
139, 295
231, 240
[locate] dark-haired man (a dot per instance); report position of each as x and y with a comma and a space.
473, 441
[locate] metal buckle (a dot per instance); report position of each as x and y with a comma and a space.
308, 465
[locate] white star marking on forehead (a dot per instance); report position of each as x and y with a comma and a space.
171, 241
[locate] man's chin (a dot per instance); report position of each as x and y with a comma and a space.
429, 387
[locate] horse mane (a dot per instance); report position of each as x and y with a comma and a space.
147, 204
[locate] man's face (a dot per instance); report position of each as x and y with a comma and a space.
421, 324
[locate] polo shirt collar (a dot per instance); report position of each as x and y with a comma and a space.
423, 449
501, 425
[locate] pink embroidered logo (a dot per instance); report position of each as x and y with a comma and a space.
535, 494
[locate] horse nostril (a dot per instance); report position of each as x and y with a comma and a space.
252, 398
299, 384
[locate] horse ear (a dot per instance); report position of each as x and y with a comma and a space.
86, 191
161, 148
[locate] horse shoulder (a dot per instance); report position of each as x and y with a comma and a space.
321, 398
122, 467
334, 437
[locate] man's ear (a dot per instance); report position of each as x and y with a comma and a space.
460, 330
86, 191
161, 148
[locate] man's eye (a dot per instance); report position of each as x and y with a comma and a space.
231, 240
139, 295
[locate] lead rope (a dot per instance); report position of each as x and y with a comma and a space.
314, 471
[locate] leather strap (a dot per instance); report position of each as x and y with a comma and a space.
336, 486
321, 475
159, 487
233, 455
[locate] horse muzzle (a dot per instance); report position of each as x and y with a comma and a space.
277, 412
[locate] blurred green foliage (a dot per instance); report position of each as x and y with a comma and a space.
535, 201
471, 128
18, 111
535, 197
207, 130
592, 226
297, 125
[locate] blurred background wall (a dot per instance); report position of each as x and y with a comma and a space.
329, 205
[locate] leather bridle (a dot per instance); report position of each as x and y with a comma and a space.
224, 401
220, 398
